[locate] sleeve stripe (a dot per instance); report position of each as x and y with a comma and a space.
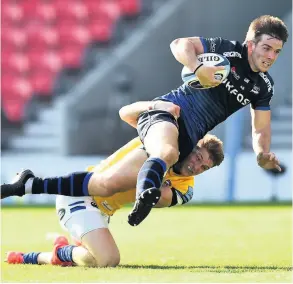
263, 108
205, 48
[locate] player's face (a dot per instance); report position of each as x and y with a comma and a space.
263, 54
196, 163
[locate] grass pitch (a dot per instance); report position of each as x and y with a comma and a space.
184, 244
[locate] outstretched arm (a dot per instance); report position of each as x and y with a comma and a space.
261, 139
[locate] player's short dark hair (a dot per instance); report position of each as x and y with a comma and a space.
214, 147
268, 25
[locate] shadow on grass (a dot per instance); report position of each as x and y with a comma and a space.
211, 268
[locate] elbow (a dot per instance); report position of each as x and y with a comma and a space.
176, 43
123, 113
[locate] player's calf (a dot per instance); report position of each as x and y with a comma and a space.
74, 184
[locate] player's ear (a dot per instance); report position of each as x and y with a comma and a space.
250, 46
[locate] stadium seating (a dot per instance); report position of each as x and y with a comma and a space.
15, 93
42, 38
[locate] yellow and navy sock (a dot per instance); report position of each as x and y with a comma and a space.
150, 175
74, 184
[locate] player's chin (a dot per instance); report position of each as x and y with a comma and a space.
263, 68
186, 172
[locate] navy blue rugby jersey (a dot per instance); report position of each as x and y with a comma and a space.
203, 109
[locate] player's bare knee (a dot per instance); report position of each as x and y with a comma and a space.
85, 259
110, 185
103, 185
108, 261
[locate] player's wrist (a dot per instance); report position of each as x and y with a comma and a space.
153, 105
196, 69
259, 157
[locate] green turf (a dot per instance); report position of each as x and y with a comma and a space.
187, 244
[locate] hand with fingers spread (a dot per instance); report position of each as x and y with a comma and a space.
268, 161
206, 75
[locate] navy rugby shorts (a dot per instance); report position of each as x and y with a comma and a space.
148, 118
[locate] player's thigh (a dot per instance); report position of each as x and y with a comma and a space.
158, 129
160, 135
162, 141
81, 218
121, 176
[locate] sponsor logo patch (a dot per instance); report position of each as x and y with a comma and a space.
234, 73
232, 54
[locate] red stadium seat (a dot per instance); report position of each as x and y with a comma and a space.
130, 8
71, 11
73, 34
112, 8
101, 29
30, 8
42, 83
43, 38
14, 109
93, 7
14, 87
13, 38
14, 63
46, 13
72, 56
11, 14
45, 61
96, 8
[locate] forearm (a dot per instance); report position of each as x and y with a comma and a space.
185, 53
131, 112
261, 141
166, 197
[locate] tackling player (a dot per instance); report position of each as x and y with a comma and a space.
86, 218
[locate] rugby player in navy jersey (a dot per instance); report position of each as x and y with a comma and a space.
171, 125
170, 129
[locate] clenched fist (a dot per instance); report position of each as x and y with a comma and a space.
268, 161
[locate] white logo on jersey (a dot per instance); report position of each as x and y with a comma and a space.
232, 54
233, 91
212, 45
233, 42
267, 80
255, 90
246, 80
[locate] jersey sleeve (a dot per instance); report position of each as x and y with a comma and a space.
217, 45
263, 101
182, 189
180, 198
